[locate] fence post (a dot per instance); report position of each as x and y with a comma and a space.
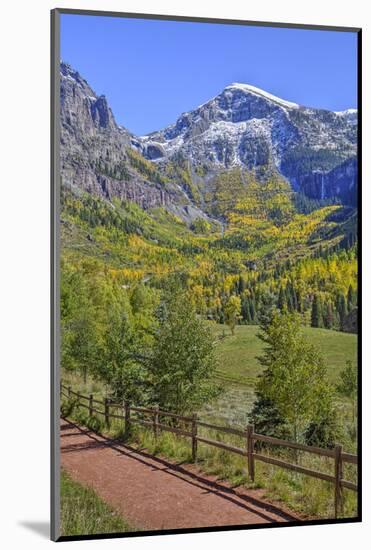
194, 437
106, 411
250, 450
155, 421
127, 418
69, 392
338, 477
91, 405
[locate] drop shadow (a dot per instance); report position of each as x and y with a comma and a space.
41, 528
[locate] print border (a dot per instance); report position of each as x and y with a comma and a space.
55, 280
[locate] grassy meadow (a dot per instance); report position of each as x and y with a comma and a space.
237, 355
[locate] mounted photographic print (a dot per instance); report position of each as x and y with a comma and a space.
205, 281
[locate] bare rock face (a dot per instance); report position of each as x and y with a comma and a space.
94, 148
338, 183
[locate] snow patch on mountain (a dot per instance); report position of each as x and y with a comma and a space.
257, 91
346, 112
351, 115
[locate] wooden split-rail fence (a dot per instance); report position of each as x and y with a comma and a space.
249, 451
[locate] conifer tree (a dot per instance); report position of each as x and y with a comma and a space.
241, 285
342, 308
245, 310
282, 300
252, 311
328, 317
289, 300
317, 315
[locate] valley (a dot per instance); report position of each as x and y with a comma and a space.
180, 249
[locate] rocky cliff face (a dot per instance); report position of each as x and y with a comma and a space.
241, 127
338, 183
94, 149
247, 127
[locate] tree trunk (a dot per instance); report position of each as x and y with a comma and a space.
295, 440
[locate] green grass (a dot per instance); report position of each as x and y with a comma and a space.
237, 355
337, 348
84, 513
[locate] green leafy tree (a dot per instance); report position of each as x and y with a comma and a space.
294, 379
83, 345
232, 311
182, 365
79, 342
200, 225
123, 364
348, 385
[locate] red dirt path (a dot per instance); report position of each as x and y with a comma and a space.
155, 493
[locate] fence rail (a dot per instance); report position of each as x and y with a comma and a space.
249, 436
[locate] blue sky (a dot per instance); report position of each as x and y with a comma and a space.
151, 71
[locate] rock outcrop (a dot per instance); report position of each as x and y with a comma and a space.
94, 148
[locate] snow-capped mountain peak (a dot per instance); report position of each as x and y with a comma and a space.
248, 127
259, 92
243, 126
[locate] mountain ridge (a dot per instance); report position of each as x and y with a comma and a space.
97, 156
243, 127
251, 128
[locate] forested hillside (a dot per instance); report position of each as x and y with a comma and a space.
265, 254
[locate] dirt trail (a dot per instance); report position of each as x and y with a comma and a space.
155, 493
